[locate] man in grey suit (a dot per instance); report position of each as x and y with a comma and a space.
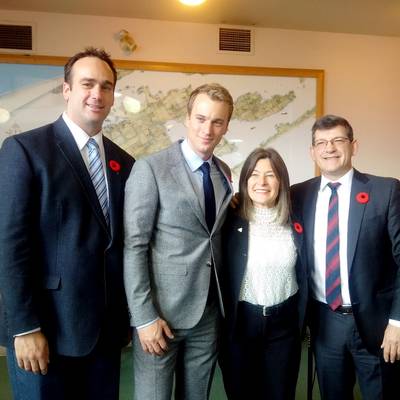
172, 254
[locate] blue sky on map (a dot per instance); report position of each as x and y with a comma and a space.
17, 76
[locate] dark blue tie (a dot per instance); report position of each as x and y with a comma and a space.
332, 276
209, 197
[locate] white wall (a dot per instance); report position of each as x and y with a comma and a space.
362, 72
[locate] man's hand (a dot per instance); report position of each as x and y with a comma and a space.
152, 337
32, 352
391, 343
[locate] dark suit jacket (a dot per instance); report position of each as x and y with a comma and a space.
235, 250
373, 252
60, 265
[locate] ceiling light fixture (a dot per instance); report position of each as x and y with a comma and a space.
192, 2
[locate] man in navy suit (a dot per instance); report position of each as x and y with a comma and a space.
63, 315
352, 229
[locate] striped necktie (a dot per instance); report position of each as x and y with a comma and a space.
209, 196
332, 274
97, 175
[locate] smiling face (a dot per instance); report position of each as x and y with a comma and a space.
263, 185
334, 158
90, 94
206, 124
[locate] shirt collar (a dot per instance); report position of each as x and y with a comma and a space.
345, 180
192, 159
80, 136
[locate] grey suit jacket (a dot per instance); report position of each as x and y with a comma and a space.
169, 253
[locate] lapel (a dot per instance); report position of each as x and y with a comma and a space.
219, 217
298, 233
360, 184
309, 204
240, 242
114, 183
180, 175
72, 155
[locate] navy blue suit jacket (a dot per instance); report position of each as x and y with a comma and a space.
60, 264
373, 251
235, 251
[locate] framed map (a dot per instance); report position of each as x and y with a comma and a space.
274, 107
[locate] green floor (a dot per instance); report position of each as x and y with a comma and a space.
217, 392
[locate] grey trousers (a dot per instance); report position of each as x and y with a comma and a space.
190, 359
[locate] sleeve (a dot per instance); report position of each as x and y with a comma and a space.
394, 233
140, 212
17, 264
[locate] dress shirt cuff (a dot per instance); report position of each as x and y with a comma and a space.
147, 324
28, 332
394, 322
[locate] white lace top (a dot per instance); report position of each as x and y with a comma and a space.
270, 276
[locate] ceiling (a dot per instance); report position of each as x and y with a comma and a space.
374, 17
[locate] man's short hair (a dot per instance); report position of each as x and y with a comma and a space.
332, 121
215, 92
88, 52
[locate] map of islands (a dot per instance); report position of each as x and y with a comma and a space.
149, 112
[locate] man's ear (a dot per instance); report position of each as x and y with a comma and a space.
312, 154
355, 147
66, 90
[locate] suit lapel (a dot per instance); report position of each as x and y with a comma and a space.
227, 197
309, 204
114, 184
182, 179
242, 241
72, 155
359, 185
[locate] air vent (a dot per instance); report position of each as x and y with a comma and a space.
236, 40
16, 37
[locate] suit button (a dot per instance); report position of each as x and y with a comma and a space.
209, 263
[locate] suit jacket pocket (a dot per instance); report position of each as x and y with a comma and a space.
52, 282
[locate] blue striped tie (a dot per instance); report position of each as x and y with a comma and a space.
97, 175
332, 274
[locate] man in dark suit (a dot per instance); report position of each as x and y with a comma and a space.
352, 228
61, 240
173, 253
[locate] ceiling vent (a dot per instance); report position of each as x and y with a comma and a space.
16, 38
236, 40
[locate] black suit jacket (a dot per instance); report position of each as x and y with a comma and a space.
235, 251
60, 264
373, 251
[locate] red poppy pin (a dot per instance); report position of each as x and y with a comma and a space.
298, 228
114, 165
362, 197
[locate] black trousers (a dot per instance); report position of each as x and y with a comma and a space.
340, 357
261, 360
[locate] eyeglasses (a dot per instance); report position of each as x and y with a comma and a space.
337, 141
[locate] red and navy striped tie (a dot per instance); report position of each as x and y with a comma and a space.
332, 274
